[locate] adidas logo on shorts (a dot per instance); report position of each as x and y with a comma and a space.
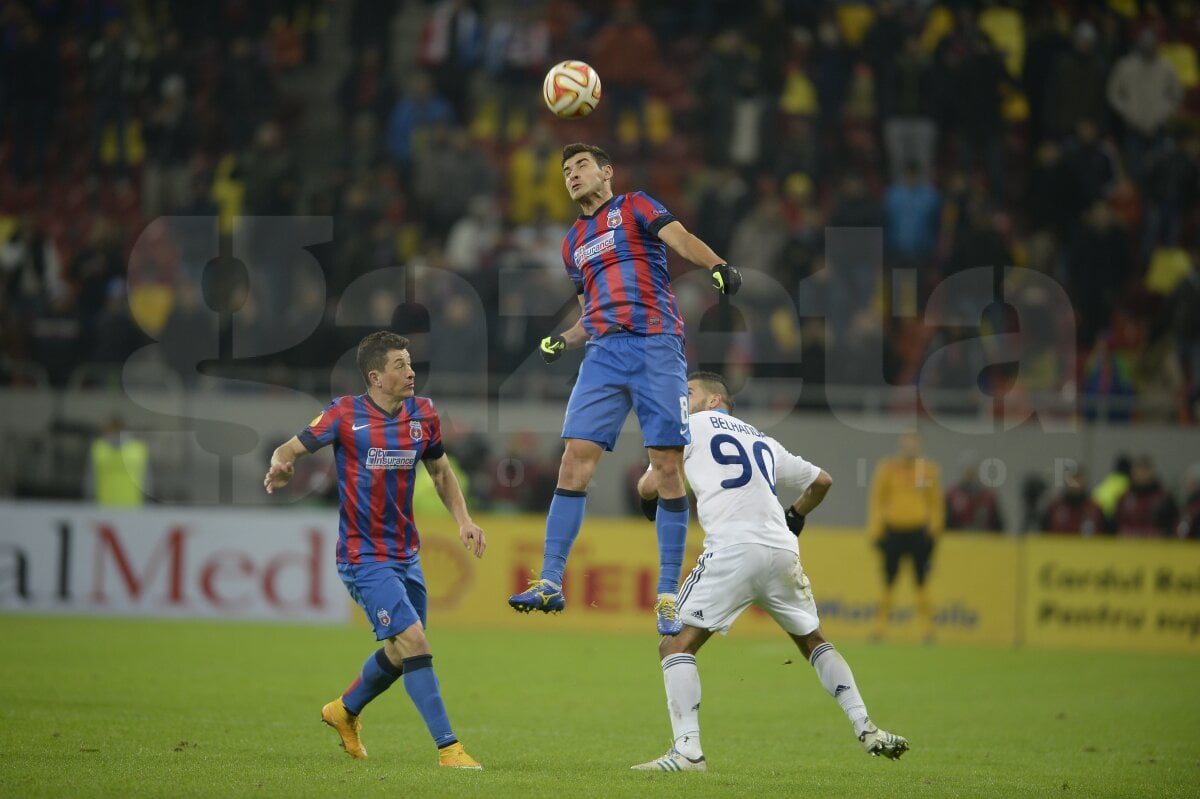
699, 614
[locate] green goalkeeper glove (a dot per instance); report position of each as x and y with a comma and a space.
726, 279
552, 348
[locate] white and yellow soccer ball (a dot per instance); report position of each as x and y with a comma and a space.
571, 89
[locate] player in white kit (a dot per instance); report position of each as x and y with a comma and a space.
751, 555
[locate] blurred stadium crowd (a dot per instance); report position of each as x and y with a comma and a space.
1131, 500
1057, 137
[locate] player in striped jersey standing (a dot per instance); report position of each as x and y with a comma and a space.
378, 437
751, 556
616, 256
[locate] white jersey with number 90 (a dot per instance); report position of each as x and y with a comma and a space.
735, 472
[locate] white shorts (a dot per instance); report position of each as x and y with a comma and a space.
726, 581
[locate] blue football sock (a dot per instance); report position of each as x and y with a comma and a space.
671, 524
422, 686
562, 527
377, 675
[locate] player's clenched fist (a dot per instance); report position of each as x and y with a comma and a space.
552, 348
726, 279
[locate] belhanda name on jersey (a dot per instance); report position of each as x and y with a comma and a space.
391, 458
600, 244
723, 423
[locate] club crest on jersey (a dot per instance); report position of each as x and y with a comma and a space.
597, 246
379, 458
614, 218
414, 431
383, 617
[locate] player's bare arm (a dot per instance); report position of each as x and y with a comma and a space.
283, 464
552, 347
450, 492
814, 494
726, 279
689, 246
795, 514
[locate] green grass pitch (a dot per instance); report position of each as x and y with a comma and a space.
92, 707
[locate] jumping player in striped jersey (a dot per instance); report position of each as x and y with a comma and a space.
378, 437
616, 255
751, 556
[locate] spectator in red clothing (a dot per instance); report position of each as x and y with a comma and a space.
1074, 511
970, 505
1188, 525
1146, 510
625, 53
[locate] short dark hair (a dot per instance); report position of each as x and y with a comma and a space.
373, 350
572, 150
714, 384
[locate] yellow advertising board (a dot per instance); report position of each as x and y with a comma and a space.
1112, 594
972, 583
987, 589
612, 573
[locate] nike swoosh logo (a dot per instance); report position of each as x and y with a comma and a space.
359, 426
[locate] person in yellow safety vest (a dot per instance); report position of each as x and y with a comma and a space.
1109, 491
906, 514
118, 468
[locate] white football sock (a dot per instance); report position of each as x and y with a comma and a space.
834, 673
682, 679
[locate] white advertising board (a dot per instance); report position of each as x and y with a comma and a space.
170, 562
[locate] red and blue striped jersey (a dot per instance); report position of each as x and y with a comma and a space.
619, 265
376, 454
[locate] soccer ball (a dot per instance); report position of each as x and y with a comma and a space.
571, 89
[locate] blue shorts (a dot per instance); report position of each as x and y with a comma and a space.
623, 371
391, 593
